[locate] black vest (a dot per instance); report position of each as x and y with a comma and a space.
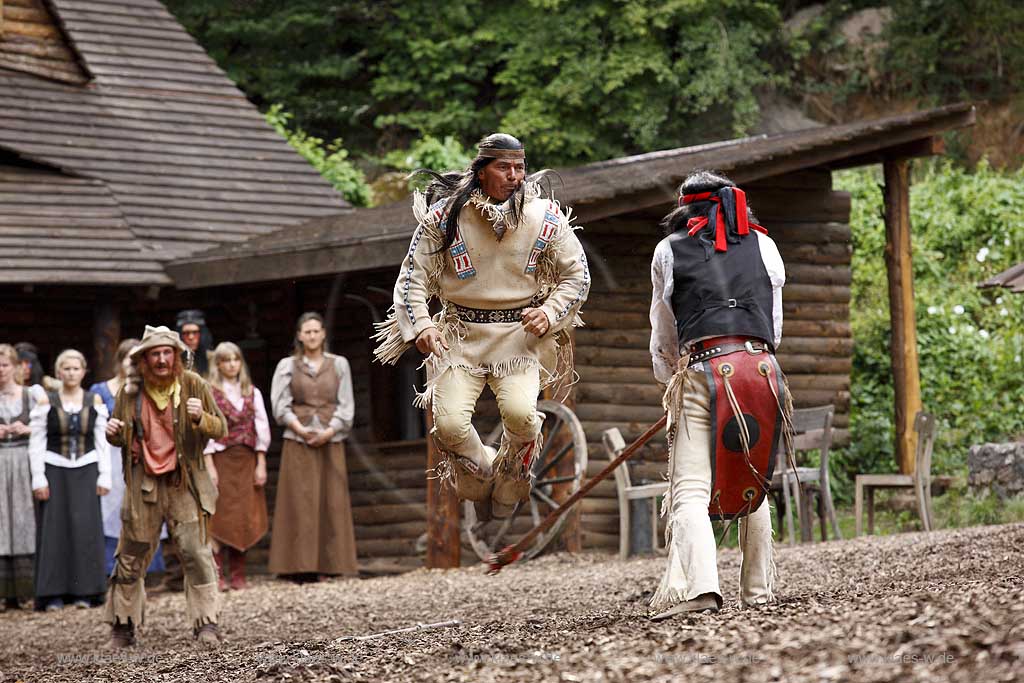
726, 295
67, 434
11, 440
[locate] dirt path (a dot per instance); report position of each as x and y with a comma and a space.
944, 606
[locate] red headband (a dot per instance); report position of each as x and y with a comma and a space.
698, 223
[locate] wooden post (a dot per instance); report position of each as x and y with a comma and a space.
105, 338
905, 369
443, 541
571, 538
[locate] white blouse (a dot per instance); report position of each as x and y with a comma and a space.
39, 457
233, 392
664, 336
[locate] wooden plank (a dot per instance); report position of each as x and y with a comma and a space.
443, 546
899, 267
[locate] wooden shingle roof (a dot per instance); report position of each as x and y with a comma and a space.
377, 238
189, 162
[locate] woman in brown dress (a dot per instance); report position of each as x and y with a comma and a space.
237, 464
312, 399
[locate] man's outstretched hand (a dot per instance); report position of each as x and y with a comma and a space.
535, 321
430, 341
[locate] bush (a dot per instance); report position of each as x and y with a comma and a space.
329, 159
966, 227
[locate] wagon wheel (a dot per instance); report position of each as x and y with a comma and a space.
563, 438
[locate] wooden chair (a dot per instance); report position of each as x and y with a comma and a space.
813, 430
920, 480
614, 444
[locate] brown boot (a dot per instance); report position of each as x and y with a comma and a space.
236, 564
121, 636
208, 636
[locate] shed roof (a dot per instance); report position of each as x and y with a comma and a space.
378, 237
185, 158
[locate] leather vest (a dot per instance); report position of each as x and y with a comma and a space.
729, 293
317, 394
241, 423
11, 440
70, 434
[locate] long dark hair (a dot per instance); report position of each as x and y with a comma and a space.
457, 187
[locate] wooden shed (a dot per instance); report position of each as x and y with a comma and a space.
346, 266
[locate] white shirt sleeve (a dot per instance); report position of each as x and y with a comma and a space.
262, 423
102, 447
281, 392
37, 445
777, 274
664, 336
344, 414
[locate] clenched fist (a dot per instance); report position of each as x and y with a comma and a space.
536, 321
431, 341
113, 427
194, 408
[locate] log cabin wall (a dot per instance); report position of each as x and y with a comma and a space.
810, 223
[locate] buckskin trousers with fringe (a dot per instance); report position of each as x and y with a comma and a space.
139, 537
454, 398
692, 558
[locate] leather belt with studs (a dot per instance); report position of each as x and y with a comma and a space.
751, 347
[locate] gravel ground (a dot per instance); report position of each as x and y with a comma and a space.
913, 607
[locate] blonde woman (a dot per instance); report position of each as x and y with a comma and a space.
17, 518
237, 463
70, 471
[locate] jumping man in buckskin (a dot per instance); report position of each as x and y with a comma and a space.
510, 277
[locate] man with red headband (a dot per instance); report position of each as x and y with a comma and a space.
716, 319
510, 276
162, 428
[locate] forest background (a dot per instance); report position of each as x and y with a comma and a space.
368, 90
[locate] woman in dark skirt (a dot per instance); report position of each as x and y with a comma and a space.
17, 518
70, 471
237, 463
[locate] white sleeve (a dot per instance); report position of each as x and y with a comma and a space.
37, 445
262, 423
344, 414
664, 336
777, 274
281, 392
102, 447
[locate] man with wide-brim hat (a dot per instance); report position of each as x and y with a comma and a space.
162, 421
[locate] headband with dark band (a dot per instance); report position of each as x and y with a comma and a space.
489, 153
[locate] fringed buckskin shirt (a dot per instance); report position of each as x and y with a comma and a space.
492, 266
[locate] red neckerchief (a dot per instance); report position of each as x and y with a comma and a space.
697, 223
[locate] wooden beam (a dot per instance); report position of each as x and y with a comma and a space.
925, 147
443, 542
571, 539
106, 337
898, 261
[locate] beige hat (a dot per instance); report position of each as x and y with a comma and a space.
158, 336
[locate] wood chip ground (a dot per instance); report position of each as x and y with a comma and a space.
946, 606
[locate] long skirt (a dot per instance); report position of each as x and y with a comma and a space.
17, 523
241, 518
69, 554
312, 531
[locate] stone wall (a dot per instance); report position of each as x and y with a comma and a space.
997, 468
